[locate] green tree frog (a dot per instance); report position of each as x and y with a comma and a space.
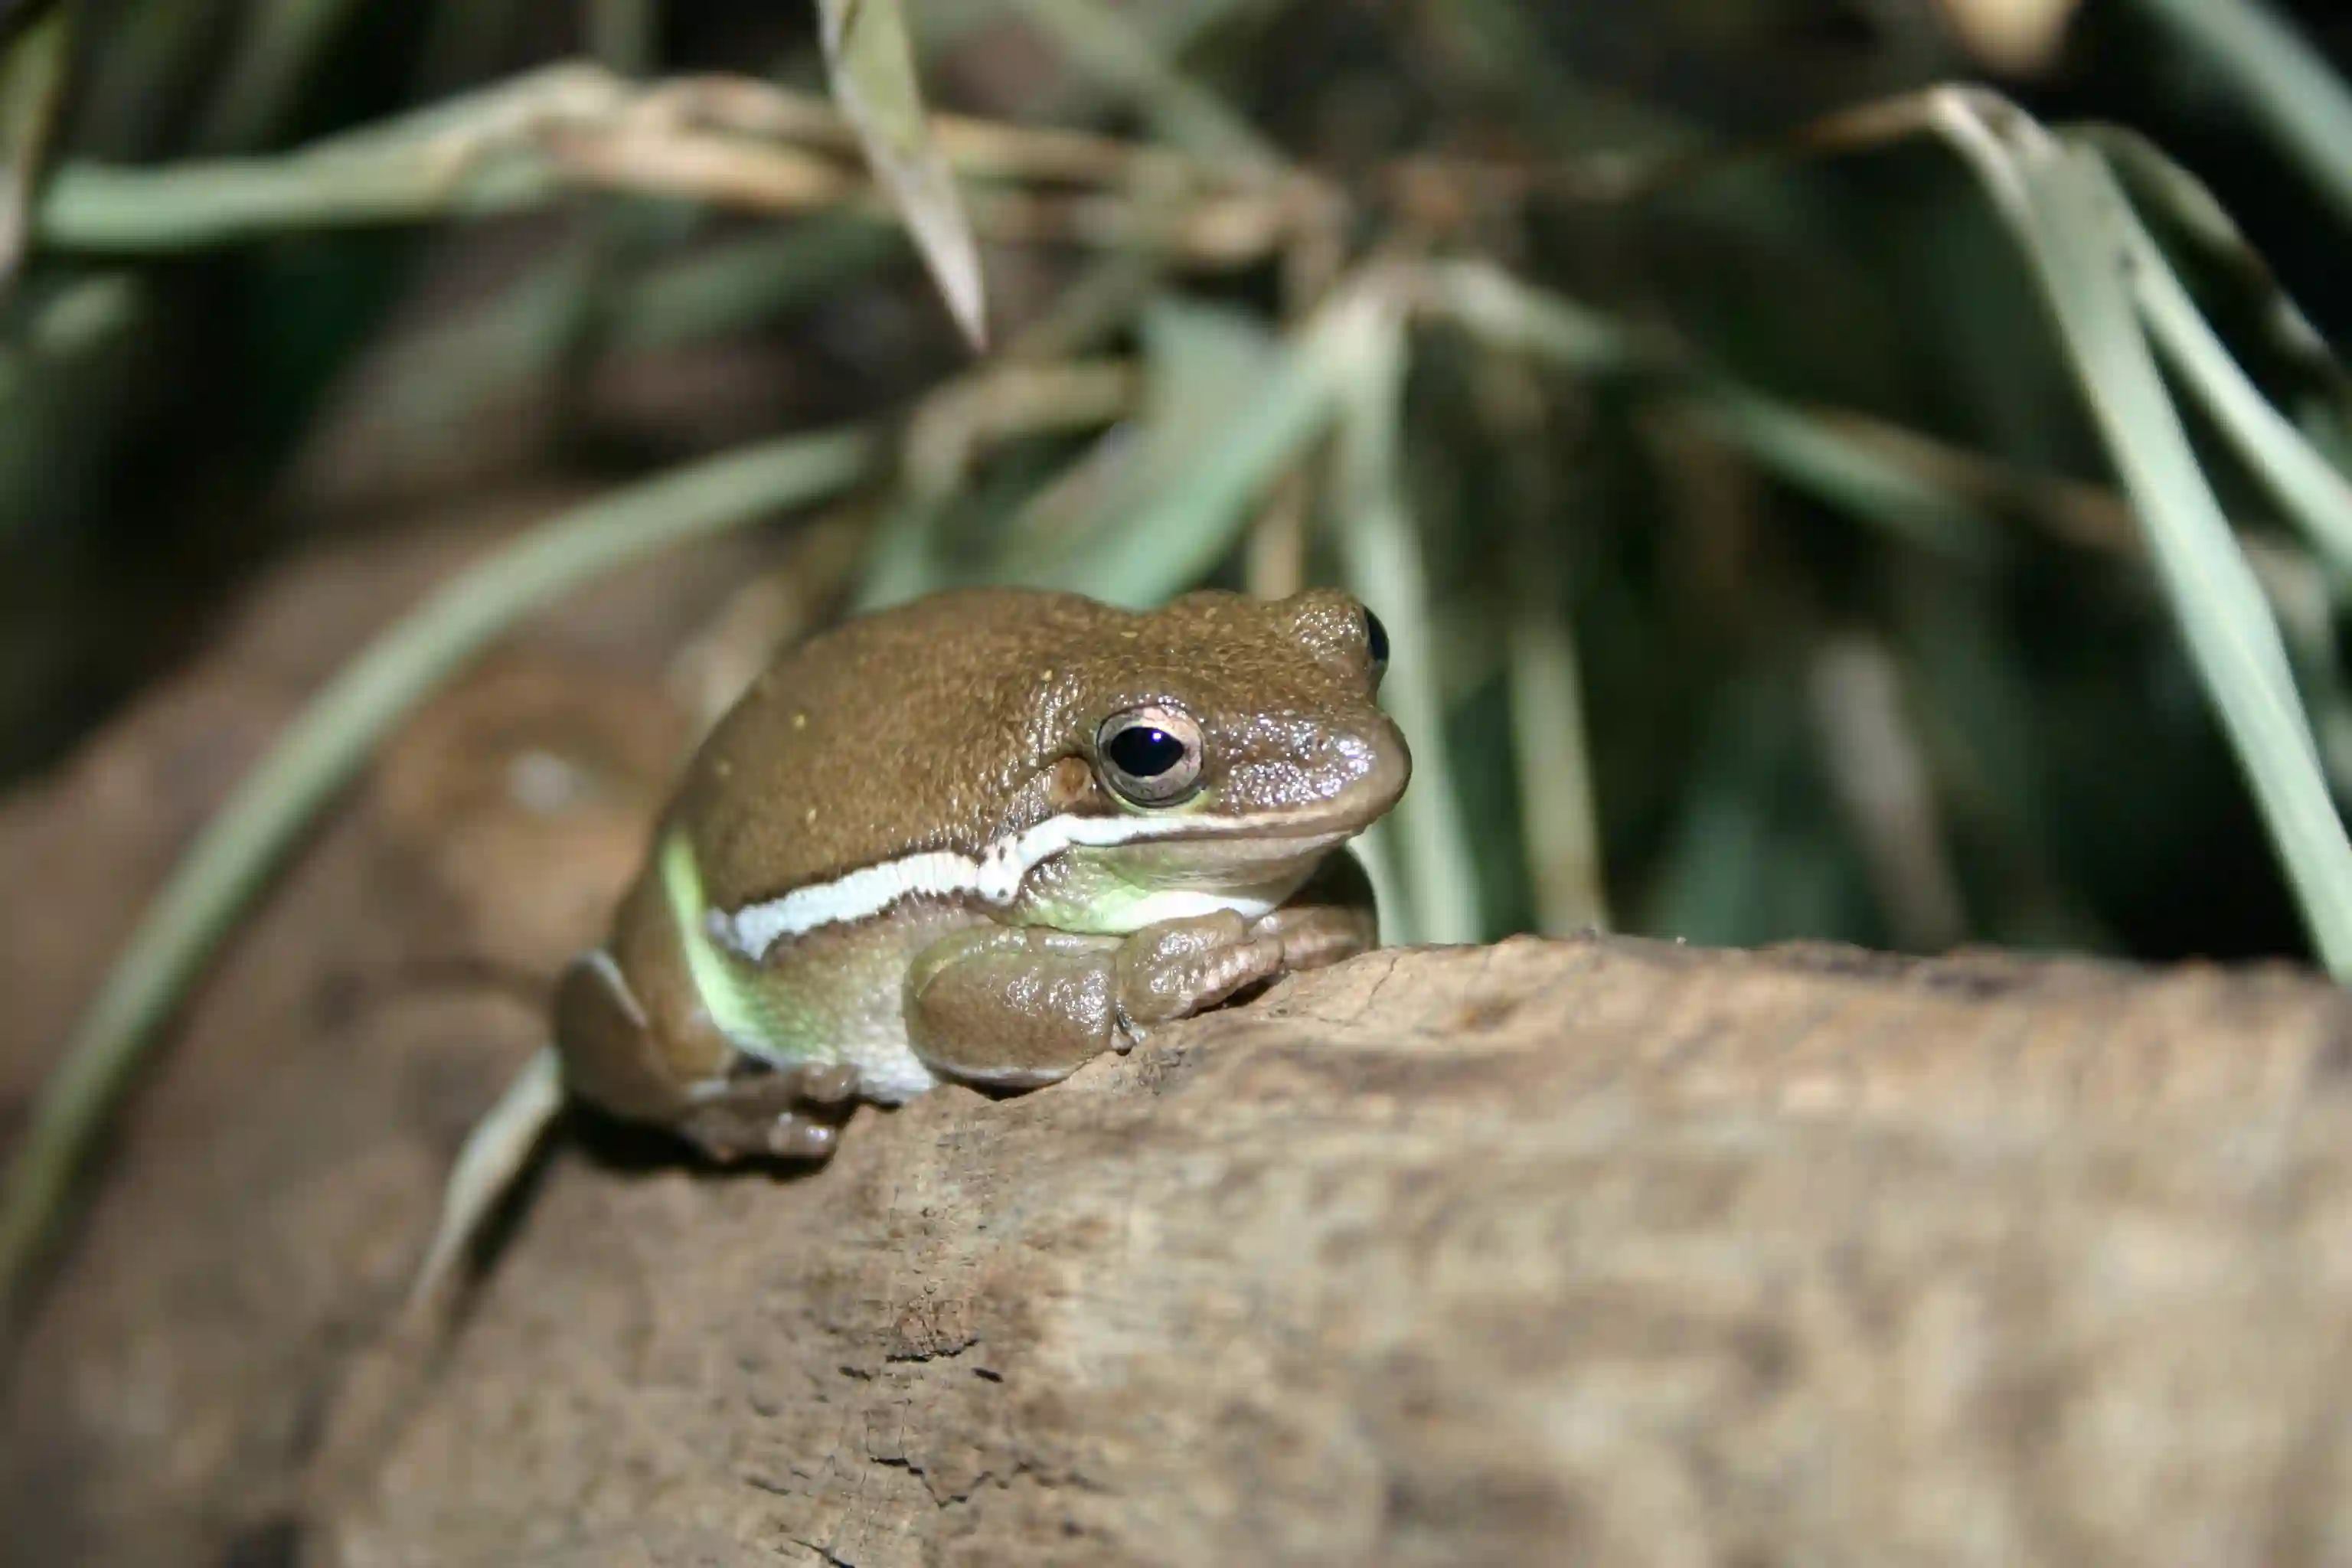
981, 838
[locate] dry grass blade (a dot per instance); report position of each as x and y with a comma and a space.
872, 65
728, 141
745, 106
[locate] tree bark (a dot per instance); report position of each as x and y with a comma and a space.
1585, 1251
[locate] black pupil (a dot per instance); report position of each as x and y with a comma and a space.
1144, 752
1376, 636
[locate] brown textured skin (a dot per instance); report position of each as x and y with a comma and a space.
938, 725
944, 724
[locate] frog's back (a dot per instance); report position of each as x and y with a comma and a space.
906, 732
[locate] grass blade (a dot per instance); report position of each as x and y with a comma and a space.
1798, 446
2063, 205
278, 58
1199, 362
2181, 209
2070, 216
871, 62
1549, 738
1380, 551
1812, 455
2282, 82
2307, 488
327, 744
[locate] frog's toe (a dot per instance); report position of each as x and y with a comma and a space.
795, 1137
1161, 982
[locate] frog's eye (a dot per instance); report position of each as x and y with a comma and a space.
1376, 643
1150, 757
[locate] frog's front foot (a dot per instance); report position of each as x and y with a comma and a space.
1181, 967
1019, 1007
1334, 917
1316, 936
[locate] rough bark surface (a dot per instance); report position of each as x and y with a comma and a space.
1585, 1251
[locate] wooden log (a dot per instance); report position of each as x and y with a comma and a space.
1573, 1252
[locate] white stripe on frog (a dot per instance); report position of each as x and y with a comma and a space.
996, 877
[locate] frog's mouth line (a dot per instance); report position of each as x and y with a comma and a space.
1254, 868
1238, 847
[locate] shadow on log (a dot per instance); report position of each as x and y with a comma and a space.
1591, 1251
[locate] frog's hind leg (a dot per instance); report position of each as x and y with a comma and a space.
682, 1073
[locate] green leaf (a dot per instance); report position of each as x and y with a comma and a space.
871, 62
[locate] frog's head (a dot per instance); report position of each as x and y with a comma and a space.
1213, 751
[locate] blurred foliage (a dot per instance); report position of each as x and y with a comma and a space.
1808, 499
1789, 409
